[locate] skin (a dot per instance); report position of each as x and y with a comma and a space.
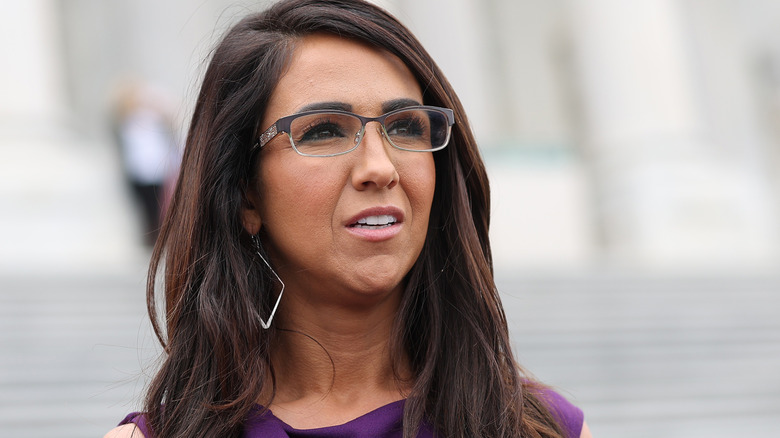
305, 203
585, 431
342, 288
125, 431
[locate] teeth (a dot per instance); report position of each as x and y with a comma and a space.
384, 219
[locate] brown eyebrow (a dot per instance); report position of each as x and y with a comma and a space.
388, 106
395, 104
338, 106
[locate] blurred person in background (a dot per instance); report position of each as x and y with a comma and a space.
142, 124
326, 260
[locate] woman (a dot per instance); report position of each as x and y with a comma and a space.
326, 257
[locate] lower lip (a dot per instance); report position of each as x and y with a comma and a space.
376, 234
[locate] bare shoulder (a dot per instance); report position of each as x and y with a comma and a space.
125, 431
585, 431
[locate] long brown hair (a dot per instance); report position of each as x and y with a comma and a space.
451, 324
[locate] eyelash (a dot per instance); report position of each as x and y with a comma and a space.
315, 124
412, 122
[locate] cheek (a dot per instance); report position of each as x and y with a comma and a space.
295, 201
420, 187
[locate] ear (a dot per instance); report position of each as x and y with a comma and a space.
250, 213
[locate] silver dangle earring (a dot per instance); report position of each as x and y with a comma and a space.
265, 325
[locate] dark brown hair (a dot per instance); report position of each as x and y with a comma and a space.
451, 324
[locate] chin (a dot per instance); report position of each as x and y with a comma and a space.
379, 284
376, 288
377, 276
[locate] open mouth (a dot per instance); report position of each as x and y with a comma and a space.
375, 222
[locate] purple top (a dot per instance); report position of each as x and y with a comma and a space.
384, 422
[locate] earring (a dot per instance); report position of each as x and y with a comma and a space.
265, 325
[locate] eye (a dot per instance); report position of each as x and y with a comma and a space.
406, 125
320, 130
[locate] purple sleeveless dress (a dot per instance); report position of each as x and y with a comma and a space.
384, 422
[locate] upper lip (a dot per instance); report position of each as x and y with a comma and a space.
377, 211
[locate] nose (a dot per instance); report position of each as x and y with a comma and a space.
374, 165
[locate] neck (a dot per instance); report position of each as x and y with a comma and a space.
336, 360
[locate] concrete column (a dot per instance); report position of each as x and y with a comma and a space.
31, 88
61, 199
670, 194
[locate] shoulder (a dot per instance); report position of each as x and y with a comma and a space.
133, 426
125, 431
585, 431
569, 416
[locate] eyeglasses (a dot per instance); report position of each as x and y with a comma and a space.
327, 133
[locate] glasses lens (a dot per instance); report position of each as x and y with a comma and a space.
325, 133
418, 129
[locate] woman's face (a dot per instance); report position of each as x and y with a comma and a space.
309, 207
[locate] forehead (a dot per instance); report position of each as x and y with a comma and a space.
327, 68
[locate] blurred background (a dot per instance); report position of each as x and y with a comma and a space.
634, 156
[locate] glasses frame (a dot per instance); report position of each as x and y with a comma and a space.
283, 126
